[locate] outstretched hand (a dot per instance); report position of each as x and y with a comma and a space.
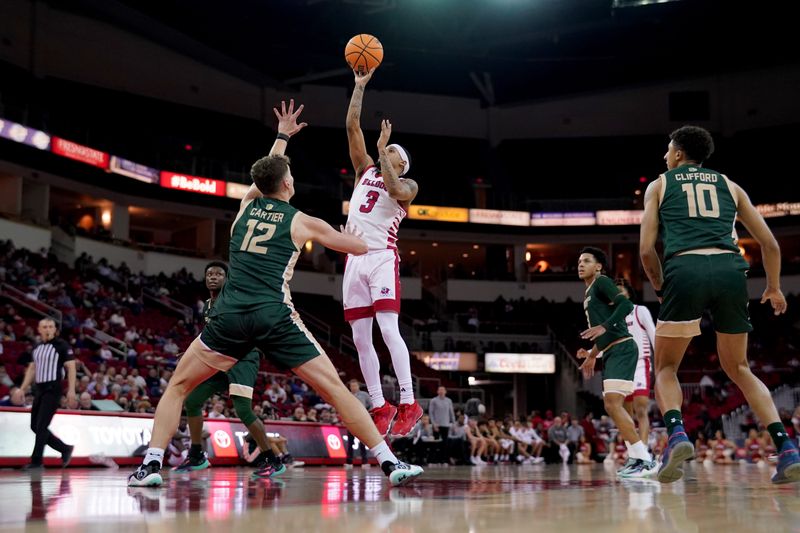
386, 132
363, 78
591, 334
350, 229
287, 119
776, 299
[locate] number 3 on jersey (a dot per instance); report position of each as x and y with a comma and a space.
251, 242
372, 198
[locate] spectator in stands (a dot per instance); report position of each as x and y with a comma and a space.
455, 444
170, 347
141, 383
298, 389
63, 300
28, 335
584, 452
218, 411
299, 414
90, 322
164, 381
104, 353
722, 449
702, 450
8, 334
478, 445
574, 433
311, 415
144, 405
85, 402
441, 413
98, 388
325, 417
276, 393
153, 381
131, 335
558, 439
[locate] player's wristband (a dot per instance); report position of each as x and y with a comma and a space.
283, 137
660, 292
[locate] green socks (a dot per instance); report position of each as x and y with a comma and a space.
778, 434
673, 419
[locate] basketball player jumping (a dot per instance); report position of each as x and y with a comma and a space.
371, 284
255, 310
695, 208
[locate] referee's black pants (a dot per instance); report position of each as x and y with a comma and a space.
46, 398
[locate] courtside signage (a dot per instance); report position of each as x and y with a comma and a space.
563, 219
520, 363
501, 218
19, 133
779, 210
133, 170
81, 153
441, 214
620, 218
463, 361
184, 182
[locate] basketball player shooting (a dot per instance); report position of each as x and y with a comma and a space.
371, 285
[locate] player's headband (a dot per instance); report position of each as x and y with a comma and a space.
404, 157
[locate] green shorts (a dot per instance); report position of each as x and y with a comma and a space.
619, 367
240, 379
694, 283
275, 329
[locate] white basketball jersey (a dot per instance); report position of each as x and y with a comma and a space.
374, 212
642, 329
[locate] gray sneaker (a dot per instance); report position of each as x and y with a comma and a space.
640, 469
628, 464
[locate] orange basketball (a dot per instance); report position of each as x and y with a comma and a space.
363, 52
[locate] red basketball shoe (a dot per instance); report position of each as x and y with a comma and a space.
383, 416
407, 416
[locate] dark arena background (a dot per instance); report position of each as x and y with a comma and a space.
127, 133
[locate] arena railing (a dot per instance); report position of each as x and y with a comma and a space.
40, 308
169, 303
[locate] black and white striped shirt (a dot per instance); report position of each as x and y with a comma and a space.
49, 358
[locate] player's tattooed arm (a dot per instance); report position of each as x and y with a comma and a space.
648, 236
355, 137
402, 190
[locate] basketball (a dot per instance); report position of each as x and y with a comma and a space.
363, 52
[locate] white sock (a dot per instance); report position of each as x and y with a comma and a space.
382, 453
154, 454
390, 329
628, 447
639, 451
368, 360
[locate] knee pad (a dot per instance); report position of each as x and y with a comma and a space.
244, 409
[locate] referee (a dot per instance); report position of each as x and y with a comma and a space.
47, 372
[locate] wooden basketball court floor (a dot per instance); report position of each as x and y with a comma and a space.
721, 499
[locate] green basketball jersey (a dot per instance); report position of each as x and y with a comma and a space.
598, 304
697, 211
261, 259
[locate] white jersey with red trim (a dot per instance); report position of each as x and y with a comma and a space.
642, 329
374, 212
